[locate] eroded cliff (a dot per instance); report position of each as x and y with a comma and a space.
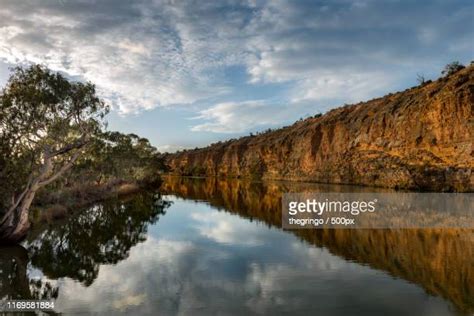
420, 138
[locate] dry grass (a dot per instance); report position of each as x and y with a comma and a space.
57, 205
55, 212
127, 189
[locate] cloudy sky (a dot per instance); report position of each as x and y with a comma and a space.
187, 73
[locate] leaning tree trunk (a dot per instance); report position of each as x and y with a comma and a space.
15, 223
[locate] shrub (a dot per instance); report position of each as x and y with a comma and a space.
452, 68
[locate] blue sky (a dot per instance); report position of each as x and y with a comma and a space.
188, 73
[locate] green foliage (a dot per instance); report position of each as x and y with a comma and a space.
48, 123
42, 115
113, 155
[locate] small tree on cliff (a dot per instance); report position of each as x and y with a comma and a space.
45, 123
452, 68
421, 79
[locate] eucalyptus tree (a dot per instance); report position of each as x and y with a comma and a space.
114, 156
46, 123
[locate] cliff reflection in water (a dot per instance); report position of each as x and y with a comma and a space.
116, 257
439, 260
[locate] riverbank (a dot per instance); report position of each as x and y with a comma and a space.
59, 204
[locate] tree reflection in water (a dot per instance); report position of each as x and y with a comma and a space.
14, 281
438, 260
103, 234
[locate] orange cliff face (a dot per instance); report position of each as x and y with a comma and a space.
421, 138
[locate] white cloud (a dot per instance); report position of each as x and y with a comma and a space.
140, 56
145, 54
115, 289
226, 229
169, 148
342, 87
237, 117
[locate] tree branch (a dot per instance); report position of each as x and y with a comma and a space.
77, 144
61, 171
17, 202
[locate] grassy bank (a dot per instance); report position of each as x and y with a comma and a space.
57, 205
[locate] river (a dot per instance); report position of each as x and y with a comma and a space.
216, 247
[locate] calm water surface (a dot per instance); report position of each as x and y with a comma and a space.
207, 247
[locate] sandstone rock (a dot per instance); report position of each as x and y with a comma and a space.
420, 138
